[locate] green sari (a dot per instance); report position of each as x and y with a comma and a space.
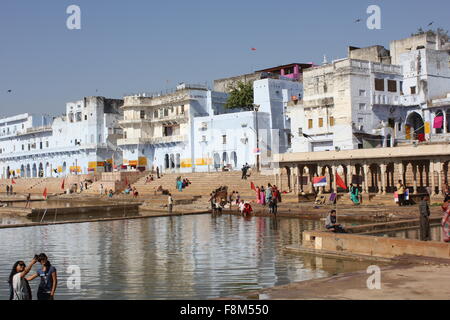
354, 195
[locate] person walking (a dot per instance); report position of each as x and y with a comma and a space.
48, 276
28, 200
19, 289
101, 190
7, 190
425, 230
401, 193
170, 203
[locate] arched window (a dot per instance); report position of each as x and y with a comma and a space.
166, 161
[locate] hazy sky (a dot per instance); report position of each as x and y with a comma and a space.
145, 45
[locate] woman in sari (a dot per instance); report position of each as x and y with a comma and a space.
258, 193
262, 196
445, 223
354, 194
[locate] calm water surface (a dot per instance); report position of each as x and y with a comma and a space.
190, 257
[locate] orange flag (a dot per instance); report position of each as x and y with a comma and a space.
45, 193
340, 182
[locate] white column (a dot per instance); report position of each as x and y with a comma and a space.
383, 178
365, 182
433, 179
414, 168
333, 169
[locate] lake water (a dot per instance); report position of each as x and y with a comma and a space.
190, 257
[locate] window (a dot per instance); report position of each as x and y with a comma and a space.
71, 117
78, 116
142, 114
331, 121
310, 123
166, 112
392, 86
362, 106
224, 139
379, 84
360, 120
320, 122
85, 117
46, 144
23, 126
182, 109
23, 147
413, 90
401, 87
204, 138
124, 134
362, 93
155, 114
99, 138
40, 145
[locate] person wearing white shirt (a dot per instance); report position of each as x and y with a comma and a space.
18, 284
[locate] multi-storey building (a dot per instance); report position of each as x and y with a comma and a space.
80, 141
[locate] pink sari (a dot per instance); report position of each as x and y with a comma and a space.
446, 226
262, 198
257, 195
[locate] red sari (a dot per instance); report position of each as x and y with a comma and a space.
257, 195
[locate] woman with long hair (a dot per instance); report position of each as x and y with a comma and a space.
18, 284
49, 280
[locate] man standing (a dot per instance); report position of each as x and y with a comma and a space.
7, 190
244, 172
400, 193
170, 203
425, 231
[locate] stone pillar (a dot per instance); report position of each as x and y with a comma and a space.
433, 179
349, 175
414, 168
292, 179
439, 170
333, 172
297, 184
380, 187
400, 172
319, 173
383, 168
365, 176
310, 184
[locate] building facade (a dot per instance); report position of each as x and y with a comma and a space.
82, 140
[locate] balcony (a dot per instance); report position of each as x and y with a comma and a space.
152, 140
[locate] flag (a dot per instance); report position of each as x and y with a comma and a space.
340, 182
13, 181
252, 186
45, 193
320, 181
62, 185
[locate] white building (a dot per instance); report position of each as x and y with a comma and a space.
81, 141
368, 102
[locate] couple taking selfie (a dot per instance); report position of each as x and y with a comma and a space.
18, 280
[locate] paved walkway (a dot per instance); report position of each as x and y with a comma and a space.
398, 282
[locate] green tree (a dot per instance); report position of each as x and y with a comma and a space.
241, 96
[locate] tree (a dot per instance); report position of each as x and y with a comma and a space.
441, 32
241, 96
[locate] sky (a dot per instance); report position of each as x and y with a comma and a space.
136, 46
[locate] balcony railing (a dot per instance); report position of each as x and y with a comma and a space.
152, 140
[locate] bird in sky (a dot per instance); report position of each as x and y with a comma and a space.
430, 23
9, 91
357, 20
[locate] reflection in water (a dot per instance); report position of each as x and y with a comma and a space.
191, 257
414, 234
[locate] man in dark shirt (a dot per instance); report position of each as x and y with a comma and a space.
425, 231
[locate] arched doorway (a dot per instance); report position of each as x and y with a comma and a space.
234, 159
216, 161
415, 126
172, 161
41, 170
166, 162
22, 171
177, 160
34, 171
224, 159
439, 113
28, 171
8, 173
